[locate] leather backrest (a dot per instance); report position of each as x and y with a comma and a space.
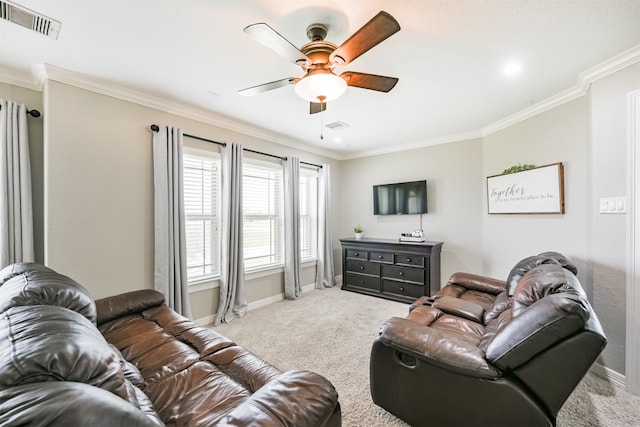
43, 343
65, 404
28, 284
526, 264
548, 306
561, 259
541, 281
19, 268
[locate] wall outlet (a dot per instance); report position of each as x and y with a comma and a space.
613, 205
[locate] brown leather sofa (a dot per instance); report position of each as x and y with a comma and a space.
488, 352
129, 360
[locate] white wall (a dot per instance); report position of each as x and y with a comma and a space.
453, 174
99, 192
558, 135
608, 164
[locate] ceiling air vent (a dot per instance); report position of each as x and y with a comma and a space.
337, 125
29, 19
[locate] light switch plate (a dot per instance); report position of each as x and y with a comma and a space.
613, 205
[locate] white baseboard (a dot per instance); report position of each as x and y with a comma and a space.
615, 378
208, 320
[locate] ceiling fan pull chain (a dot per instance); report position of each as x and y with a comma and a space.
322, 108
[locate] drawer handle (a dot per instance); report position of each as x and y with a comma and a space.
401, 273
380, 257
362, 282
401, 288
408, 259
362, 267
356, 254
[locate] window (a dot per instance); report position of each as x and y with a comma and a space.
263, 210
263, 214
202, 220
308, 213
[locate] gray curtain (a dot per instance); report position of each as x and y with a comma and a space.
16, 211
292, 287
170, 262
232, 301
325, 277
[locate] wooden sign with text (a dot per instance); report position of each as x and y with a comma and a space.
533, 191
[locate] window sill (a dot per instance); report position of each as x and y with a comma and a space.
204, 284
214, 282
262, 272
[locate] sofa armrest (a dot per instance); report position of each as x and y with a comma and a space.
478, 283
461, 308
441, 347
295, 398
128, 303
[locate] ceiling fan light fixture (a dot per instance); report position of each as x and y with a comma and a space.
321, 87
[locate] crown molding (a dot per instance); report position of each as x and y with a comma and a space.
26, 79
416, 145
584, 81
125, 93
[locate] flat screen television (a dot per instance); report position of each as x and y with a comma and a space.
402, 198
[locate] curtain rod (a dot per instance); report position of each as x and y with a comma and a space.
156, 128
32, 113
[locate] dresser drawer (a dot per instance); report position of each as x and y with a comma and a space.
398, 272
362, 281
363, 267
401, 288
355, 254
409, 259
384, 257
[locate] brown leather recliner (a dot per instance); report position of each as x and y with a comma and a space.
487, 352
144, 365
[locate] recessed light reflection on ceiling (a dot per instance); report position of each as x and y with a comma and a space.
512, 68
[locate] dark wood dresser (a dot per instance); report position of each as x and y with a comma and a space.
391, 269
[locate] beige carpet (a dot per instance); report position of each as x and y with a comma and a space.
331, 331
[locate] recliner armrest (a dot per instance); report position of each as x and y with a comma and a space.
461, 308
478, 283
444, 348
110, 308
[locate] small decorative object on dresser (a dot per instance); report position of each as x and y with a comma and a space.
390, 269
358, 231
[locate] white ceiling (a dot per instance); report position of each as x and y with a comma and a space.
449, 57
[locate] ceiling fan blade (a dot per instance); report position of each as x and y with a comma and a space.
369, 81
317, 107
379, 28
254, 90
274, 41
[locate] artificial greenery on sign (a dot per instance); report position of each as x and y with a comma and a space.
518, 168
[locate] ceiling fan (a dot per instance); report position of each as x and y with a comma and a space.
318, 58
